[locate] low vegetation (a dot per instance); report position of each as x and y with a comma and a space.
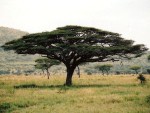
24, 90
74, 45
89, 94
135, 68
141, 78
104, 68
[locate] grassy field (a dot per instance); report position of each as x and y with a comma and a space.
89, 94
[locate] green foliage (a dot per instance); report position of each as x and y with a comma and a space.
74, 45
141, 78
4, 72
83, 41
89, 73
90, 94
148, 57
135, 68
28, 71
4, 107
45, 64
104, 68
148, 70
148, 99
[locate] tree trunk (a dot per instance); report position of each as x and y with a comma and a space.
69, 76
43, 71
78, 71
102, 72
136, 72
48, 74
107, 72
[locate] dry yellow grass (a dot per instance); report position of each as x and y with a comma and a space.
89, 94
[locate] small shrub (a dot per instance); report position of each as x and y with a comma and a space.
4, 107
148, 99
22, 105
131, 98
141, 78
3, 72
118, 73
148, 71
89, 73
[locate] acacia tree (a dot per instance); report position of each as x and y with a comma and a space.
104, 68
74, 45
45, 64
135, 68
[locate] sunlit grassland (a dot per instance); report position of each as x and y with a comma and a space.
89, 94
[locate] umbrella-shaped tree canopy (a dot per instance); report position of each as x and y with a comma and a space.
74, 45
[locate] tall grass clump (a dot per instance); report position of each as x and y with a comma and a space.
148, 99
4, 107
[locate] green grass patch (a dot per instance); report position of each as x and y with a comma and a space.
5, 107
148, 99
89, 94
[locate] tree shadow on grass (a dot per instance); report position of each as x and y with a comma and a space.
71, 87
36, 86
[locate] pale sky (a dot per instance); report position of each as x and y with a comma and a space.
131, 18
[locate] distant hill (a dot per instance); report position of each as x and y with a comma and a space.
8, 59
8, 34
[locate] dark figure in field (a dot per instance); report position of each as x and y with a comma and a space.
141, 78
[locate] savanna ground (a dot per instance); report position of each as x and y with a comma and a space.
89, 94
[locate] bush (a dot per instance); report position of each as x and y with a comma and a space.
104, 68
4, 72
141, 78
89, 73
4, 107
148, 71
148, 99
118, 73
